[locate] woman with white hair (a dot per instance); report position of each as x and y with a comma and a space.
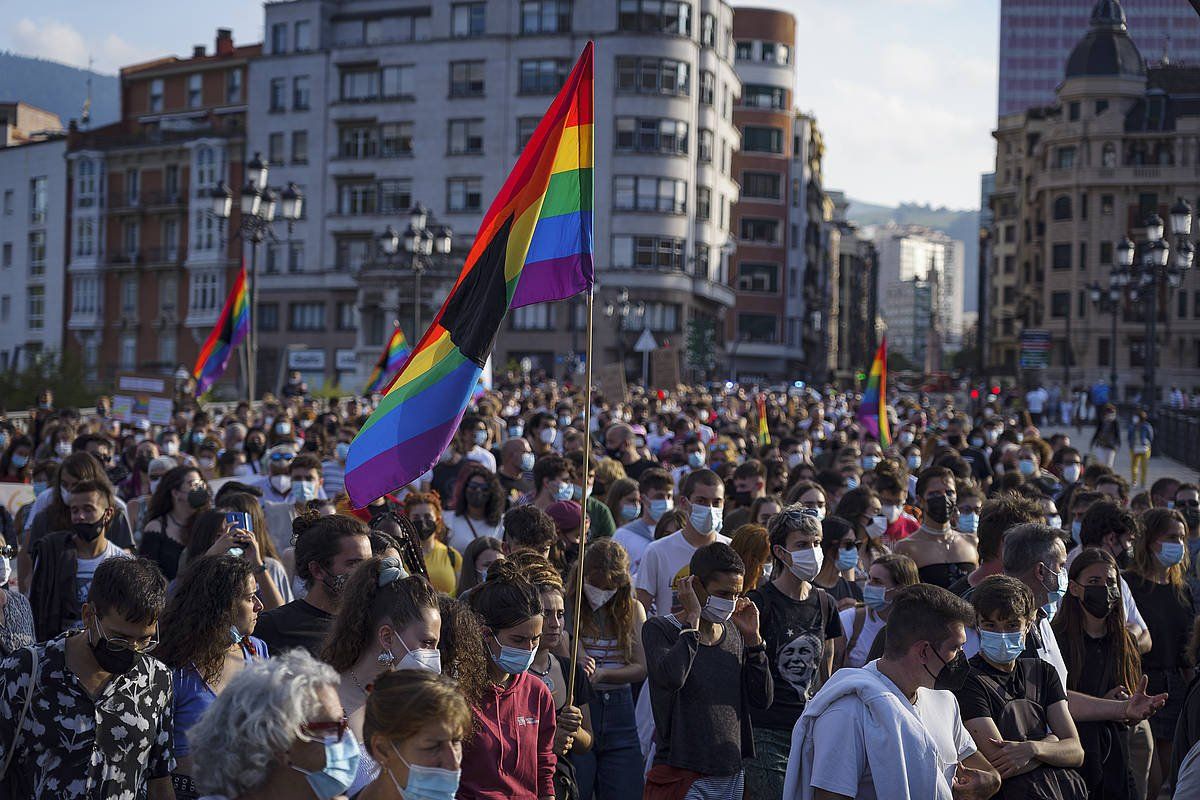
277, 730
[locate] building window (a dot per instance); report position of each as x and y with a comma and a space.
347, 316
776, 53
359, 142
85, 186
1106, 252
525, 128
168, 294
85, 295
156, 95
8, 202
394, 28
648, 193
278, 94
166, 348
766, 185
275, 148
205, 292
539, 317
705, 152
395, 195
233, 86
1106, 204
194, 90
760, 96
358, 198
302, 37
543, 75
708, 84
463, 194
37, 253
129, 296
708, 30
758, 278
279, 37
466, 137
306, 317
545, 16
468, 20
295, 256
301, 93
761, 328
268, 316
85, 237
757, 139
1060, 304
1064, 158
299, 147
204, 232
6, 255
648, 252
206, 169
659, 317
703, 203
649, 135
272, 258
1060, 256
353, 253
127, 358
743, 51
655, 16
397, 82
396, 139
765, 231
1108, 156
652, 76
1062, 208
466, 78
38, 200
702, 258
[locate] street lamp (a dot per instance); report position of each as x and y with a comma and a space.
259, 205
1109, 302
1162, 262
621, 310
421, 241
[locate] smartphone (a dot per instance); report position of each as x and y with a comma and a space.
239, 519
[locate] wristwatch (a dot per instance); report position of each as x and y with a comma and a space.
260, 569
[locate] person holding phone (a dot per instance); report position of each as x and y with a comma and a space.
212, 527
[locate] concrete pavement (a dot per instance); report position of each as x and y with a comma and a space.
1160, 466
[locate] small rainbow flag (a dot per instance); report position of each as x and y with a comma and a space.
764, 433
394, 353
227, 334
872, 410
534, 245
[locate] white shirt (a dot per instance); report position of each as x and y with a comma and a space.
1036, 400
635, 538
872, 624
463, 531
841, 762
481, 456
664, 562
1133, 617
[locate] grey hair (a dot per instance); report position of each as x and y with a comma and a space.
1029, 544
238, 741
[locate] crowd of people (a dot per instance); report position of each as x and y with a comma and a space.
593, 598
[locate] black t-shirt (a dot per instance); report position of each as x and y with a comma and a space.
795, 633
162, 550
961, 587
845, 589
980, 698
981, 469
1097, 673
296, 624
636, 469
1168, 614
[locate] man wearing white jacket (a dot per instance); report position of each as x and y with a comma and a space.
885, 731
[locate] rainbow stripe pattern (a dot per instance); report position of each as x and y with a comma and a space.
872, 409
394, 353
227, 334
764, 433
534, 245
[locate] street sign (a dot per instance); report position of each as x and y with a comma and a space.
645, 342
1035, 349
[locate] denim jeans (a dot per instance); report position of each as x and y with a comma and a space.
613, 768
765, 772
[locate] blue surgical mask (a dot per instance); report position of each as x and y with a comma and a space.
1027, 466
1170, 554
1076, 529
695, 460
1001, 648
1055, 595
851, 483
706, 519
342, 450
19, 460
515, 432
426, 783
513, 660
968, 523
914, 463
869, 462
630, 512
875, 597
563, 491
660, 507
39, 487
847, 559
480, 438
576, 492
527, 460
341, 765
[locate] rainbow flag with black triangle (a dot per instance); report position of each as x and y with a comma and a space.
534, 245
394, 353
231, 328
872, 409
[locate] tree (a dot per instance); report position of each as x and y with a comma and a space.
60, 373
701, 345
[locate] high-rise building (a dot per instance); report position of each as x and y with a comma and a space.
858, 295
148, 264
1036, 37
1120, 142
416, 103
32, 209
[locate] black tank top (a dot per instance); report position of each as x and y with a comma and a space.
945, 574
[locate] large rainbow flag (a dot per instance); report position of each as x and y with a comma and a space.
227, 334
534, 245
872, 410
764, 432
394, 353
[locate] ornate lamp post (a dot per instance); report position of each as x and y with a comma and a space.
421, 241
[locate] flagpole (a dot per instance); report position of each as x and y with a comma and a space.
583, 531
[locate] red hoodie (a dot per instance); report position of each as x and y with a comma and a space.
510, 756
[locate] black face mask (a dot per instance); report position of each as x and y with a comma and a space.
1191, 516
88, 531
115, 662
954, 673
1099, 601
425, 527
198, 498
743, 499
478, 497
1124, 557
938, 508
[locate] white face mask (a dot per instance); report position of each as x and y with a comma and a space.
1071, 473
597, 597
303, 491
6, 571
706, 520
878, 526
807, 562
718, 609
891, 512
281, 483
421, 658
547, 435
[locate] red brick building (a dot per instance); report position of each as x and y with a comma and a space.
148, 266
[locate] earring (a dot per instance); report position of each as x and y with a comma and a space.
386, 659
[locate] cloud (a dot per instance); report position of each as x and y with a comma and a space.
58, 41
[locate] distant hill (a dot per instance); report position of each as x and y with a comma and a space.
58, 88
960, 225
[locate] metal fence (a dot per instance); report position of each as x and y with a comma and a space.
1177, 435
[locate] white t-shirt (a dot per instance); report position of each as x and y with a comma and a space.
86, 568
635, 538
665, 562
872, 624
1133, 617
841, 760
481, 456
463, 531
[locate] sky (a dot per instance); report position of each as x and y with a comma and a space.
904, 91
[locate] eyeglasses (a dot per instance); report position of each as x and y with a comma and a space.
116, 644
1187, 503
318, 731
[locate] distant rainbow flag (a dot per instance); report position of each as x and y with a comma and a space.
390, 361
534, 245
227, 334
764, 433
872, 411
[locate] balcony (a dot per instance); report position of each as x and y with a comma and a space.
152, 256
125, 259
163, 200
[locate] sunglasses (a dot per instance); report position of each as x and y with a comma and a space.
282, 456
319, 731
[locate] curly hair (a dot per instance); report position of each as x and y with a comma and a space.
495, 506
434, 501
195, 625
366, 605
538, 570
462, 658
319, 538
506, 599
606, 558
405, 537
